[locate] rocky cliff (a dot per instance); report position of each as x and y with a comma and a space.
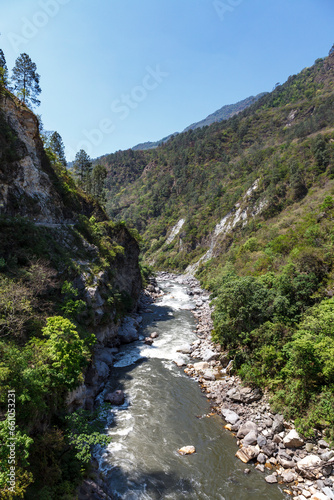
74, 238
29, 186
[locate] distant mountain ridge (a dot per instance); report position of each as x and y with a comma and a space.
151, 145
224, 113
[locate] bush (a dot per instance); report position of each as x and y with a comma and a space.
68, 354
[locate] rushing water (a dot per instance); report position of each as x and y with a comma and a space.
165, 410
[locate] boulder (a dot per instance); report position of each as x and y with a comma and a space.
261, 458
271, 479
269, 449
319, 496
288, 476
327, 455
293, 440
201, 366
245, 428
148, 341
244, 395
329, 492
286, 463
224, 360
230, 416
309, 467
185, 349
247, 453
327, 470
278, 424
180, 362
128, 332
268, 422
250, 438
209, 355
308, 461
115, 398
208, 375
187, 450
154, 335
261, 441
323, 444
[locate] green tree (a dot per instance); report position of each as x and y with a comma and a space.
67, 352
99, 175
82, 168
22, 477
57, 146
3, 71
26, 80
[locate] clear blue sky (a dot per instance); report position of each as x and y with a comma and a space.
118, 72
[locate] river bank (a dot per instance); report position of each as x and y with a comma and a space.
266, 440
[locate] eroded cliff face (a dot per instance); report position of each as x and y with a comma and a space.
29, 185
26, 187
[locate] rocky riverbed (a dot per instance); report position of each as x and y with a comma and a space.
267, 441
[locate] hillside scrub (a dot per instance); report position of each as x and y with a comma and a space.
285, 141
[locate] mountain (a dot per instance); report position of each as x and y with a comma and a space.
151, 145
248, 204
68, 277
225, 112
221, 114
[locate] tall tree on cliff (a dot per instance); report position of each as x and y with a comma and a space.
99, 175
57, 146
3, 71
82, 169
26, 80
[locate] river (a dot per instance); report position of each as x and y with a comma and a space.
165, 410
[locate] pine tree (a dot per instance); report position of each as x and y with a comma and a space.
57, 146
99, 175
3, 71
82, 168
26, 80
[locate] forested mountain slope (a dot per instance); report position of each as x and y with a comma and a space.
248, 203
283, 142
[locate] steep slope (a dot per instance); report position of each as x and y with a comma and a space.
68, 276
203, 175
29, 185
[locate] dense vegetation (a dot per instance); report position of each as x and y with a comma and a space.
269, 171
46, 342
